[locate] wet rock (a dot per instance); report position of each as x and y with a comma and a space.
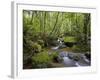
68, 62
63, 54
88, 55
69, 44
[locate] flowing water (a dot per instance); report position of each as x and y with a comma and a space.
68, 56
70, 62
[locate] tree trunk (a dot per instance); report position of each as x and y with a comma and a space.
54, 24
32, 17
86, 22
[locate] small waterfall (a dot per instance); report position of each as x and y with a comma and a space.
59, 45
55, 48
60, 42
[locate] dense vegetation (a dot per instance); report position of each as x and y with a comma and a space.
42, 29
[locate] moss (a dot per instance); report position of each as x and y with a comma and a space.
76, 48
80, 48
69, 39
41, 60
54, 56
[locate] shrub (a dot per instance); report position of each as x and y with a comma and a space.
41, 60
81, 48
54, 56
36, 47
41, 42
52, 41
76, 48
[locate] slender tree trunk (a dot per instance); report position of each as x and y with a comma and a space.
40, 22
58, 29
86, 22
77, 26
32, 17
44, 21
54, 25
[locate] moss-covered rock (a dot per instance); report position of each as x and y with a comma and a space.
54, 56
41, 60
69, 39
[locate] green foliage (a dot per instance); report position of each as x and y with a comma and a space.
54, 56
41, 29
69, 39
44, 60
76, 48
41, 60
30, 48
52, 41
81, 48
36, 47
41, 42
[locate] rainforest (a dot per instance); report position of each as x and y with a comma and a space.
54, 39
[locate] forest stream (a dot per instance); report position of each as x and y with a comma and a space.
53, 39
70, 59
